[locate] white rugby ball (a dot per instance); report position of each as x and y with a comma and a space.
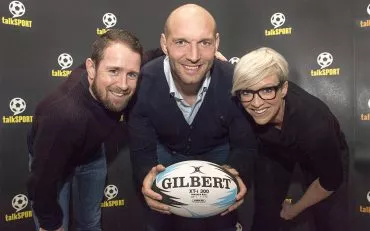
196, 189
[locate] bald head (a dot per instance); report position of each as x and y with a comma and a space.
189, 13
190, 42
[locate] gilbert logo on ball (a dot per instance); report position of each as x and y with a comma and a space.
196, 189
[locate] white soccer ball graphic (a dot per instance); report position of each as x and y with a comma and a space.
111, 191
17, 9
324, 59
238, 227
17, 106
368, 196
277, 19
109, 20
19, 202
65, 60
234, 60
368, 9
196, 188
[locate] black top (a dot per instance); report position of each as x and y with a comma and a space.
310, 134
68, 129
156, 118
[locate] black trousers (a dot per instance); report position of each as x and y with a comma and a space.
272, 181
163, 222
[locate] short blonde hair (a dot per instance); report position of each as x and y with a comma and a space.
256, 65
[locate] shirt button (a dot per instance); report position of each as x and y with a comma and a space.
191, 127
189, 139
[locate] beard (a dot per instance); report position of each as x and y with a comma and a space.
103, 98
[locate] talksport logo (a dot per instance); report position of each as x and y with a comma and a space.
325, 60
109, 21
234, 60
17, 9
366, 23
65, 61
17, 106
111, 192
277, 21
366, 208
19, 203
366, 117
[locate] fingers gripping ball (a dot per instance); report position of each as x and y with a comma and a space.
196, 189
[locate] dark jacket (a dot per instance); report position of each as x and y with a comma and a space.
68, 129
156, 118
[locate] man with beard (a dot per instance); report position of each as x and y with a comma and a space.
184, 111
66, 141
292, 127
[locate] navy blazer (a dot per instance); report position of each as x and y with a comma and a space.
156, 118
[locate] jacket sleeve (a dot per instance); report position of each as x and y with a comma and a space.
143, 139
243, 143
323, 144
54, 142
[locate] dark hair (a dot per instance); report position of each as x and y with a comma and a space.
114, 36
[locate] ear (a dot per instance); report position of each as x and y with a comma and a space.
284, 89
163, 42
217, 41
91, 71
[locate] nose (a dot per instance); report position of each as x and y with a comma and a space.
256, 101
122, 82
193, 54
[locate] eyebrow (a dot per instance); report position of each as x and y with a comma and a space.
266, 86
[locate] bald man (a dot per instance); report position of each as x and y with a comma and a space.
184, 111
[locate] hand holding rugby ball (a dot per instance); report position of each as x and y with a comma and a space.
196, 189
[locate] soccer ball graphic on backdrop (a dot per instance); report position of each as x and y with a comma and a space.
19, 202
17, 106
17, 9
277, 19
65, 60
109, 20
368, 9
234, 60
325, 59
111, 191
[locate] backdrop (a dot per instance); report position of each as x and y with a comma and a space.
326, 43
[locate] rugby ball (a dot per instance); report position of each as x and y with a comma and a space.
196, 189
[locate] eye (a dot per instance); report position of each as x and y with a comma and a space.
113, 72
206, 43
180, 43
132, 75
246, 92
267, 90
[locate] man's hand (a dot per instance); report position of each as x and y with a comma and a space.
242, 192
289, 210
60, 229
152, 198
